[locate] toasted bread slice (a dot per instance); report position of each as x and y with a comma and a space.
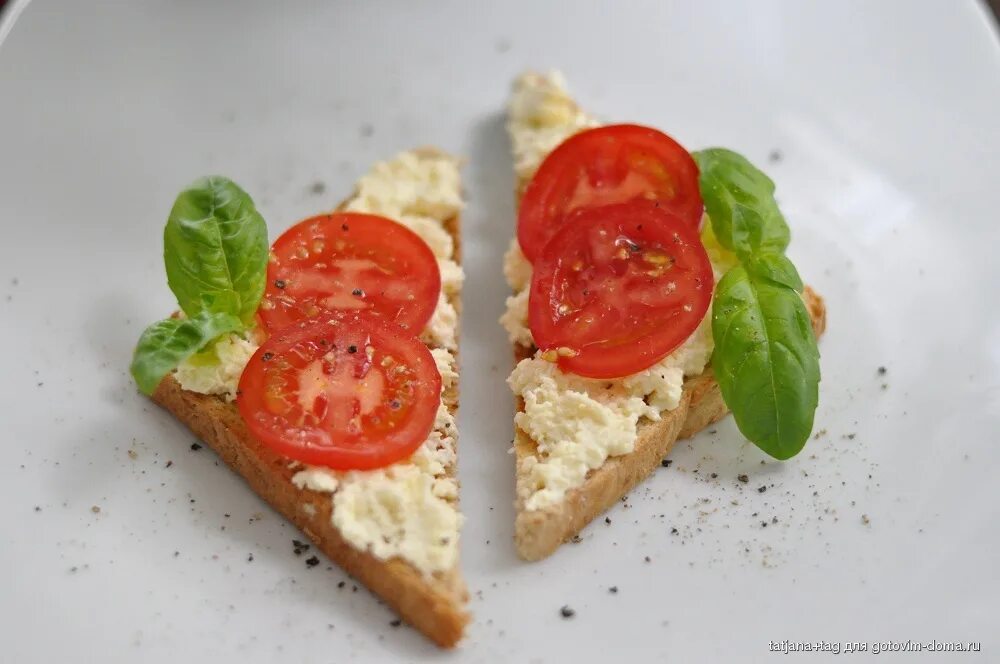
435, 604
539, 532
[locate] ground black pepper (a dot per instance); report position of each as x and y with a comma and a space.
743, 478
666, 463
298, 548
312, 562
567, 612
195, 447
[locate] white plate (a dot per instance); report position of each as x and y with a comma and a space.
885, 116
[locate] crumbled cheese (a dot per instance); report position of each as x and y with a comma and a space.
575, 426
217, 369
397, 513
316, 479
578, 422
419, 189
442, 328
515, 319
540, 116
452, 276
516, 268
445, 362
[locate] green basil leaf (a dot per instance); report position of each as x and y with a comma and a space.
166, 344
766, 360
215, 249
739, 199
774, 267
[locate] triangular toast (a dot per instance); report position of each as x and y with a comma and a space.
552, 117
433, 603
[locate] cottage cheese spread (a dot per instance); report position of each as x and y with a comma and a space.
408, 509
217, 369
540, 116
578, 422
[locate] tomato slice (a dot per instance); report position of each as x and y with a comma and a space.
618, 288
350, 392
349, 261
611, 164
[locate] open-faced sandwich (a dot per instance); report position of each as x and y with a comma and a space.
652, 296
323, 370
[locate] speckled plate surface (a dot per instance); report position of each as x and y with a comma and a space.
879, 123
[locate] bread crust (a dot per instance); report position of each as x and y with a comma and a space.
435, 604
538, 533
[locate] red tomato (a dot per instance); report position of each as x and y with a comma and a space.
618, 288
349, 392
348, 261
612, 164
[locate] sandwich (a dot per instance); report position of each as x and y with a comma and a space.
651, 297
323, 370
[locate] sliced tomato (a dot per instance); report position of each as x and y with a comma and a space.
349, 392
618, 288
612, 164
348, 261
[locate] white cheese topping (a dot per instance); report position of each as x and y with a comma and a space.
516, 268
515, 319
419, 189
540, 116
442, 328
577, 423
217, 369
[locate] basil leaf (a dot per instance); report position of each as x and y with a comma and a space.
774, 267
766, 360
166, 344
739, 199
215, 249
